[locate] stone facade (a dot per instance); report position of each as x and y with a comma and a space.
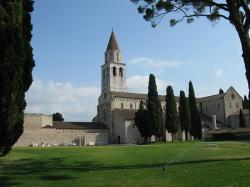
40, 130
116, 107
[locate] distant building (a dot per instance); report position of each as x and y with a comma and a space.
116, 107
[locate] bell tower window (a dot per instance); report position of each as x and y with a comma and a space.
120, 72
114, 71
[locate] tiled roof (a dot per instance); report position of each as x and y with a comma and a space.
139, 96
76, 125
209, 98
112, 45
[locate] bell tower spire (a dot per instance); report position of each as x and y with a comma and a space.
113, 70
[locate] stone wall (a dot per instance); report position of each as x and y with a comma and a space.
214, 107
234, 121
132, 134
35, 134
233, 103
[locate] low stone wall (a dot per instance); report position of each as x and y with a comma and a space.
36, 135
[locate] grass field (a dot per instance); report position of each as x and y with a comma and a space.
192, 164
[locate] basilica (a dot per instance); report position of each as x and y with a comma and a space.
116, 107
114, 122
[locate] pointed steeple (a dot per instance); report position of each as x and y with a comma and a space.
112, 45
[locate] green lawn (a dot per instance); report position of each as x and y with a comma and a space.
193, 164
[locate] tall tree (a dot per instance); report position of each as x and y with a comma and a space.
221, 91
242, 119
184, 112
154, 108
245, 103
141, 121
196, 129
57, 117
236, 12
171, 121
16, 64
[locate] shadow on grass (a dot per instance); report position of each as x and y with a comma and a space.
24, 168
7, 181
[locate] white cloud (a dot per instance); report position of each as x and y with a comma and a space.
75, 103
139, 84
156, 65
219, 73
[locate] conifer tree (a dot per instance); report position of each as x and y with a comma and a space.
57, 117
184, 112
242, 119
154, 108
141, 121
245, 103
221, 91
16, 63
171, 121
196, 129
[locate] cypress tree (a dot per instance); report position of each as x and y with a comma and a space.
184, 112
221, 91
141, 121
154, 108
196, 129
245, 103
171, 121
242, 119
16, 63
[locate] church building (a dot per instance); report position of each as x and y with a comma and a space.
116, 107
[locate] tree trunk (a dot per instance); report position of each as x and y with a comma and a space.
186, 135
172, 137
243, 32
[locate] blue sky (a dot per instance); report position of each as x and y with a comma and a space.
70, 38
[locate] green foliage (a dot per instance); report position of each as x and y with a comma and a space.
242, 119
141, 121
221, 91
154, 108
196, 129
184, 111
57, 117
171, 121
16, 63
246, 103
235, 12
155, 10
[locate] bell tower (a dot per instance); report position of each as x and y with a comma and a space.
113, 70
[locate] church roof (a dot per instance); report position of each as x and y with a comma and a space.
76, 125
139, 96
211, 97
112, 45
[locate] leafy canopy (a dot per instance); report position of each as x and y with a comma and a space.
188, 10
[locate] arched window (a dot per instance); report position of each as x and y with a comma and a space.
121, 105
131, 106
114, 71
120, 72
